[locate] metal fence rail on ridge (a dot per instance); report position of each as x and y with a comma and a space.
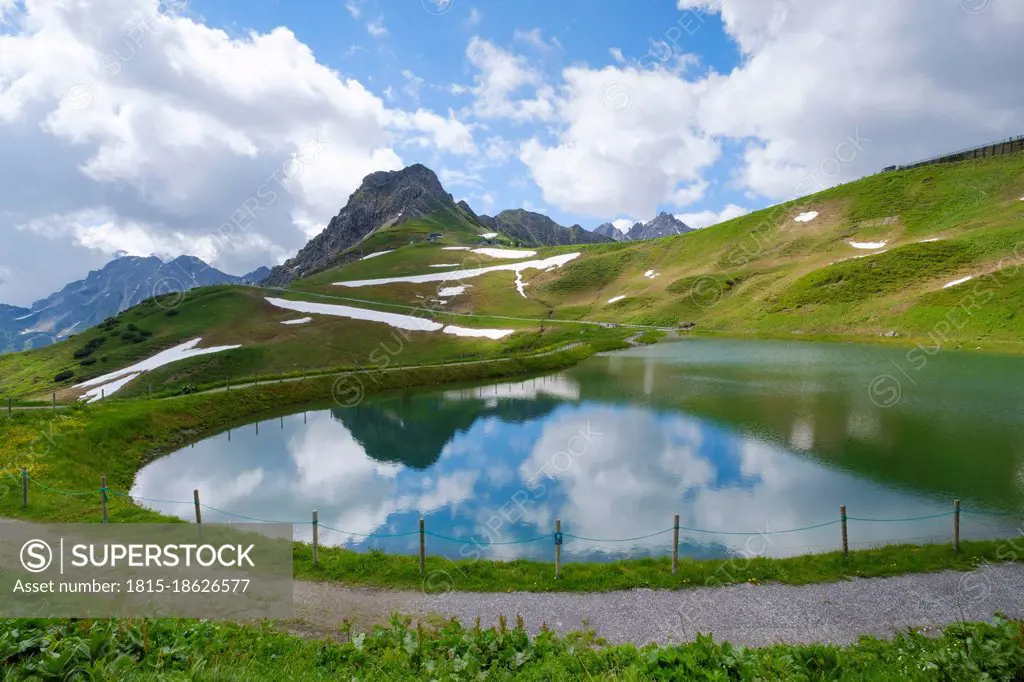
557, 536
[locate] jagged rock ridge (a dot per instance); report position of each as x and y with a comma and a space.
383, 199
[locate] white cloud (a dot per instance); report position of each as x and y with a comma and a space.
535, 38
623, 224
430, 130
376, 28
157, 129
906, 79
457, 178
824, 93
475, 17
630, 142
506, 86
412, 86
708, 218
353, 8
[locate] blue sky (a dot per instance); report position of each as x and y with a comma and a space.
145, 126
412, 58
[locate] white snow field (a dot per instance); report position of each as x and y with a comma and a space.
510, 254
806, 217
116, 380
374, 255
447, 292
301, 320
482, 333
546, 263
408, 322
616, 299
958, 281
868, 245
489, 235
395, 320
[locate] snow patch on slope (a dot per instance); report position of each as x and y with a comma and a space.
109, 382
545, 264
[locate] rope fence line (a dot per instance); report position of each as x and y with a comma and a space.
558, 536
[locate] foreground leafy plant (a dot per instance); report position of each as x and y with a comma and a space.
200, 650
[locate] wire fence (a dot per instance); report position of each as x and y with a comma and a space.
558, 536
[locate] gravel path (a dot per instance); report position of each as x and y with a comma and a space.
749, 615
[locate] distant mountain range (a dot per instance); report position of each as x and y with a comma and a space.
119, 285
663, 225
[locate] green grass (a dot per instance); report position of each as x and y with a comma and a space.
764, 275
240, 316
376, 569
204, 651
862, 279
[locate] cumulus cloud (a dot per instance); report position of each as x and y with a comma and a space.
824, 93
630, 142
120, 118
506, 85
707, 218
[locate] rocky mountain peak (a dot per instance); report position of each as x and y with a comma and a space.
383, 199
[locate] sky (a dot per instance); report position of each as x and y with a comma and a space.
234, 130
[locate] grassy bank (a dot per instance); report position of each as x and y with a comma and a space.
376, 569
194, 650
70, 449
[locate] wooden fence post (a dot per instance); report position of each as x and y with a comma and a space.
956, 525
9, 406
55, 400
24, 487
199, 511
103, 497
316, 540
846, 544
675, 545
558, 549
423, 547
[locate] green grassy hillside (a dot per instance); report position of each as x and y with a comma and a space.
769, 274
233, 315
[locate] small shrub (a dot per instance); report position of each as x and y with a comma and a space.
187, 389
132, 327
87, 361
146, 333
172, 312
64, 376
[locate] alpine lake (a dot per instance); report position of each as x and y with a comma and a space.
754, 444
